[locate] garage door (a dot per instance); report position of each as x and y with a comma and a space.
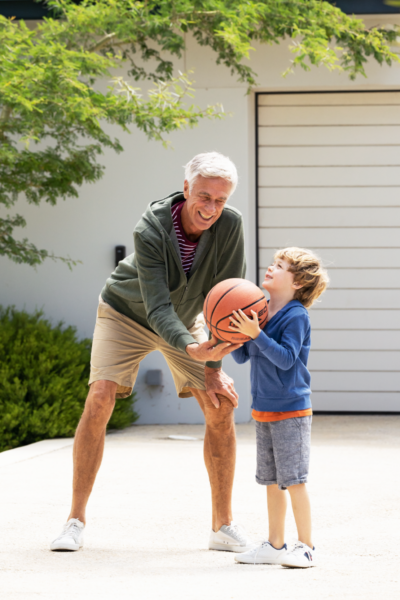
329, 180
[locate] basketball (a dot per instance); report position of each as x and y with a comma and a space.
230, 295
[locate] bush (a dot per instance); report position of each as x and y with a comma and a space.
44, 371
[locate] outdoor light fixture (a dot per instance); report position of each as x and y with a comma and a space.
154, 377
120, 253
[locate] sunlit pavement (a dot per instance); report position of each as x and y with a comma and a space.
149, 519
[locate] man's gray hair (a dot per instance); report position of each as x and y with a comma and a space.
211, 164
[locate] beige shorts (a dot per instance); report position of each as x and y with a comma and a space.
119, 344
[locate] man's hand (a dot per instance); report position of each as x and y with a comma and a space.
210, 351
218, 382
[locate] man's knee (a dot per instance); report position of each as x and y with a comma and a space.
100, 401
221, 418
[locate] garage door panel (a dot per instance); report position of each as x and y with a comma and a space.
364, 278
328, 176
270, 156
355, 340
355, 319
329, 99
326, 381
359, 299
335, 217
328, 136
358, 278
343, 360
371, 237
322, 196
343, 257
329, 115
369, 401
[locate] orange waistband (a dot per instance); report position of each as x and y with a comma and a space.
265, 417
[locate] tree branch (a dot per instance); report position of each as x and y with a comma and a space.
102, 43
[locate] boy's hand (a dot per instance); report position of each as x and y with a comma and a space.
245, 325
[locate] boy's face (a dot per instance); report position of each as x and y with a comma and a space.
278, 278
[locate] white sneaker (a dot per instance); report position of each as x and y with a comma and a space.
300, 555
265, 554
71, 537
230, 538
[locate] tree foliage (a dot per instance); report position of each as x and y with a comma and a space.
53, 108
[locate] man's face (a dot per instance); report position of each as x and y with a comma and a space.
205, 202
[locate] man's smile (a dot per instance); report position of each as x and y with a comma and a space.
204, 217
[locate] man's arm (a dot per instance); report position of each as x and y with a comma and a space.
231, 263
156, 296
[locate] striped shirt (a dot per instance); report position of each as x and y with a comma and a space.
186, 247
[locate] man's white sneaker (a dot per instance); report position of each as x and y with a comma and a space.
265, 554
71, 537
230, 538
301, 556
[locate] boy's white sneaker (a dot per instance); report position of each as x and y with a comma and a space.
71, 537
301, 556
230, 538
265, 554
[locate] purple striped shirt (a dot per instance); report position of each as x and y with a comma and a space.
186, 247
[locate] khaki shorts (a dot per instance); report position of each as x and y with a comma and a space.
119, 344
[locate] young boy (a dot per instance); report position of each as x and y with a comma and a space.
280, 386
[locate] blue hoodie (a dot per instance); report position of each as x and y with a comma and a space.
280, 380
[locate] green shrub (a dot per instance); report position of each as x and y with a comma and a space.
44, 371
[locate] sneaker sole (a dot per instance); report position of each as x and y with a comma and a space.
298, 566
256, 562
229, 548
65, 547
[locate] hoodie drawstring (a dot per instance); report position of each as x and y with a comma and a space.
165, 255
216, 254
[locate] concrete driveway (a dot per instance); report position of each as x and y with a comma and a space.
149, 519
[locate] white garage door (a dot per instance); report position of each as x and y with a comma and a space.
329, 180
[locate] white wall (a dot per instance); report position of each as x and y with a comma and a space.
105, 214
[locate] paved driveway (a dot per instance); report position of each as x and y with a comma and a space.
149, 519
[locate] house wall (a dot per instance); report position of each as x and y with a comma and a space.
104, 215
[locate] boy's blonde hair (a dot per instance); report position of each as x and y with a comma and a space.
308, 271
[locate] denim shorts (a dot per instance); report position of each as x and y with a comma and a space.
283, 451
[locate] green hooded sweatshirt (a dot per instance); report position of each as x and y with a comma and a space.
151, 287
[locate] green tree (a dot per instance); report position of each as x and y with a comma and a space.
53, 108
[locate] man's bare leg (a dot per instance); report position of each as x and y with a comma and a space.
89, 443
219, 455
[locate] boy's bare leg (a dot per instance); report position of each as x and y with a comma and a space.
219, 455
89, 443
302, 512
277, 505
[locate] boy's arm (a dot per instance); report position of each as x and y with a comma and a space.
241, 355
284, 355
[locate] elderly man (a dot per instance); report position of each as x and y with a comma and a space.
184, 245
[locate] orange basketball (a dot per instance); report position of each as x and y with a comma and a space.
230, 295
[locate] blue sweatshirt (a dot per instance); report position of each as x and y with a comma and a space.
280, 380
